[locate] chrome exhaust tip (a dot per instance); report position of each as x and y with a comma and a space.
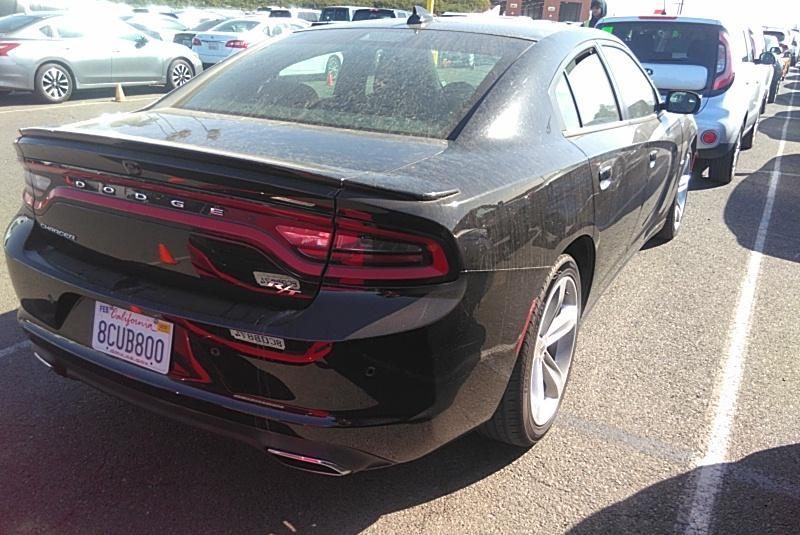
308, 464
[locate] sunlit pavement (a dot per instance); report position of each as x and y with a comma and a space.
682, 415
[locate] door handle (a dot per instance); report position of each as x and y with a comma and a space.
653, 157
605, 175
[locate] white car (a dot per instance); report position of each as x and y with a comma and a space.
235, 35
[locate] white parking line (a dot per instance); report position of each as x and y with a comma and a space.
10, 350
711, 468
73, 105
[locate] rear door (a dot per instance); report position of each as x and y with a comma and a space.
593, 122
648, 132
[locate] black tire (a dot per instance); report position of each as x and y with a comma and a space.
332, 67
773, 94
748, 140
53, 83
513, 421
180, 71
672, 224
723, 169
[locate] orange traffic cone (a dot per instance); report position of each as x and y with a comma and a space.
329, 81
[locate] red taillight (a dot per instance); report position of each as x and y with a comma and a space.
236, 43
709, 137
723, 74
196, 42
5, 48
361, 253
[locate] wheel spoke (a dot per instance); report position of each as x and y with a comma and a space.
537, 383
563, 324
553, 377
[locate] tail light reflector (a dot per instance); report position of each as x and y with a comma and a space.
5, 48
236, 43
709, 137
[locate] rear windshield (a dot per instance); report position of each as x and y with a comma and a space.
384, 80
207, 25
237, 26
334, 13
669, 42
370, 14
13, 23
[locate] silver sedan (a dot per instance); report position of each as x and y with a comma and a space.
56, 54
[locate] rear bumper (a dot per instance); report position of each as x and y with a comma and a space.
717, 152
415, 379
15, 76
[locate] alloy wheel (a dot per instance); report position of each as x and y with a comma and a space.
181, 73
555, 344
55, 83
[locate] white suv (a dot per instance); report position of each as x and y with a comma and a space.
714, 58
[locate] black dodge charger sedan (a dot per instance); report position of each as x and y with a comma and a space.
348, 271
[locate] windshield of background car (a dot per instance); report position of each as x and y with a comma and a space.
237, 26
371, 14
395, 81
334, 14
207, 25
669, 42
13, 23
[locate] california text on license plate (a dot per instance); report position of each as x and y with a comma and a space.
136, 338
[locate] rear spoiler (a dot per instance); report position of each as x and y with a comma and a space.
98, 152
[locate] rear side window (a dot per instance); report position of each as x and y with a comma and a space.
592, 89
566, 104
384, 80
634, 88
669, 42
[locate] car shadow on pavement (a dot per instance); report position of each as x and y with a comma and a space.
783, 235
773, 126
29, 99
760, 494
77, 461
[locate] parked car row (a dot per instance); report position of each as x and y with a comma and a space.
726, 63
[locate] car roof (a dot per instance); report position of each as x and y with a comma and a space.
515, 27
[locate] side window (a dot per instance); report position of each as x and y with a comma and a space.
566, 104
592, 90
635, 91
46, 31
68, 29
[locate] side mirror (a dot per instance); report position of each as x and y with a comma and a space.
141, 41
684, 102
776, 50
767, 58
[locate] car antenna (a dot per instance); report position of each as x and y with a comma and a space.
419, 15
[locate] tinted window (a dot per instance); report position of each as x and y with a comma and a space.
366, 79
592, 90
280, 13
370, 14
669, 42
70, 29
334, 13
13, 23
566, 104
780, 36
634, 88
207, 25
237, 26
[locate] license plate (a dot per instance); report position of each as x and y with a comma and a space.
213, 46
136, 338
259, 339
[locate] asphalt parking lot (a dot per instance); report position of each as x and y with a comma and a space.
682, 415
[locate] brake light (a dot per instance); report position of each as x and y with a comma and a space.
361, 253
236, 43
5, 48
196, 42
723, 74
